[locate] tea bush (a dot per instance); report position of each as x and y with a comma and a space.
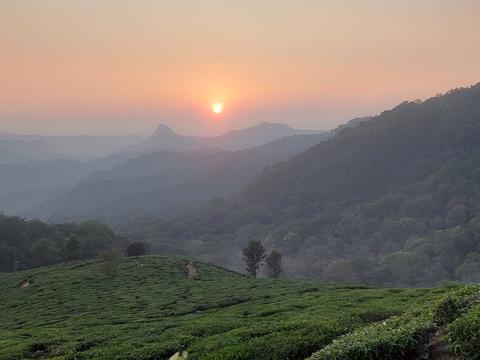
464, 334
456, 303
396, 338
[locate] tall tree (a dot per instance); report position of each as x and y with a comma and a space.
73, 248
274, 264
254, 255
136, 249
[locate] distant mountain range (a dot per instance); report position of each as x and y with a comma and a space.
18, 148
50, 186
26, 184
164, 181
165, 138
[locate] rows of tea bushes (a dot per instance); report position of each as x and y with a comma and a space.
284, 340
461, 310
405, 336
395, 338
456, 303
464, 333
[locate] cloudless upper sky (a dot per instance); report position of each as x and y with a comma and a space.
123, 66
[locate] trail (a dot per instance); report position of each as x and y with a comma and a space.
438, 348
25, 283
192, 271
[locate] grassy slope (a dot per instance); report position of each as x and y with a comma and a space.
149, 310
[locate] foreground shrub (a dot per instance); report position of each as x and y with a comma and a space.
396, 338
464, 333
455, 304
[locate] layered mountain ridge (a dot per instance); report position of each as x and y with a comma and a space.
164, 138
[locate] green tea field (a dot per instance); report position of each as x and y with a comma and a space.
149, 308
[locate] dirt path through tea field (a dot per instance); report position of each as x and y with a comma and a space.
438, 348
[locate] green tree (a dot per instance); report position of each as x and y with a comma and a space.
44, 252
8, 255
341, 270
469, 270
136, 249
73, 248
254, 256
274, 264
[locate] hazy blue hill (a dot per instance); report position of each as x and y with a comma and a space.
164, 181
82, 147
8, 156
36, 178
34, 168
18, 150
165, 138
85, 147
257, 135
393, 200
27, 184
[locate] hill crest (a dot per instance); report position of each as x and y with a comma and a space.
165, 138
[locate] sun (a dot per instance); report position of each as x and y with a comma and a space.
217, 108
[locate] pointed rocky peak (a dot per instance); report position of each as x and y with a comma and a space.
164, 131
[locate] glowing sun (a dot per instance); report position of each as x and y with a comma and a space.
217, 108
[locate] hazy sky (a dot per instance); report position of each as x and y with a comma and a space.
119, 67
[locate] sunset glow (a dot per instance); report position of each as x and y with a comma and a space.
217, 108
311, 64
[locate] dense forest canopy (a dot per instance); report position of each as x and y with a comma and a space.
393, 200
25, 244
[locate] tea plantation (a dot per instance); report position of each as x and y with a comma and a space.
148, 308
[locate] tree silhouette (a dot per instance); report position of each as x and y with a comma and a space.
136, 249
274, 264
254, 255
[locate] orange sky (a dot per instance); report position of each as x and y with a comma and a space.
123, 66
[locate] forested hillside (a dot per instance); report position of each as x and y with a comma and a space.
26, 244
394, 200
